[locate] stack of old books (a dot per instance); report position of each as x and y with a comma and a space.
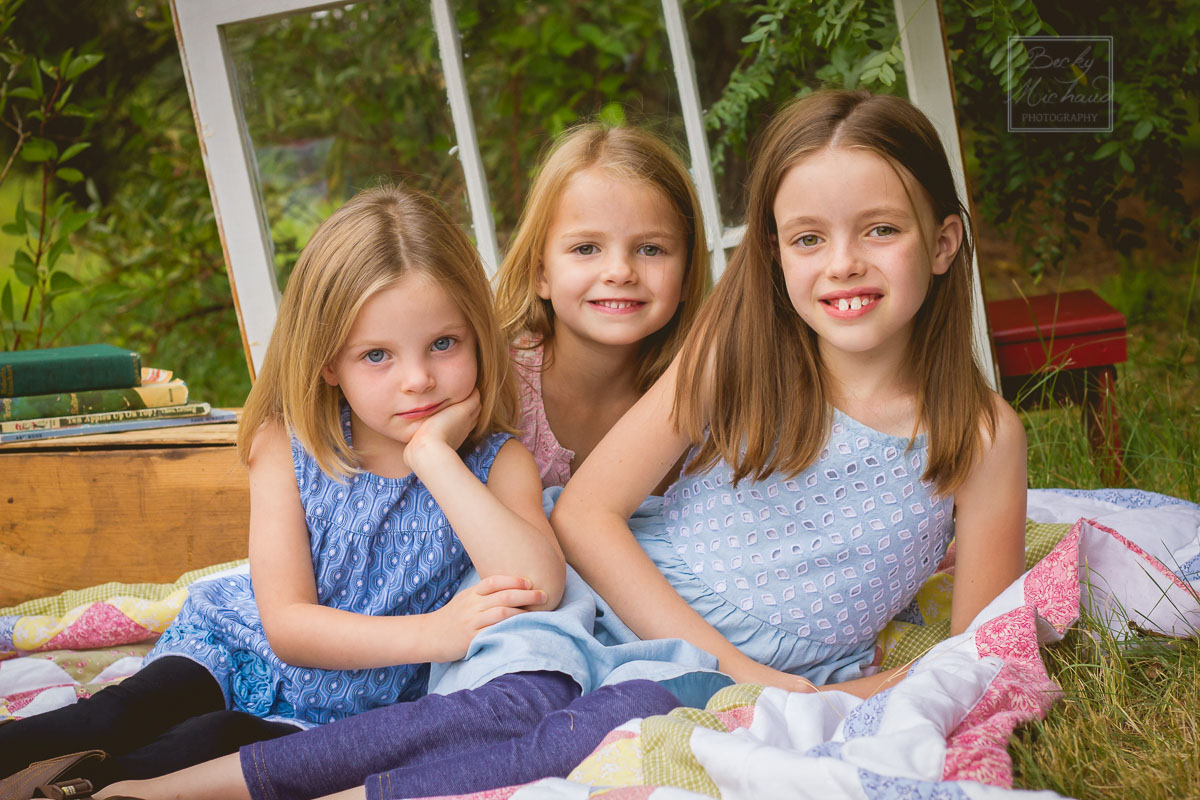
91, 388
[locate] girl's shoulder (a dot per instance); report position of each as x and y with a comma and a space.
1009, 432
481, 457
1002, 452
527, 352
270, 439
275, 452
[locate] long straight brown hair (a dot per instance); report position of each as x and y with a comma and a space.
366, 246
630, 154
751, 387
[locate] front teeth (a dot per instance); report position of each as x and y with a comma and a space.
616, 304
853, 303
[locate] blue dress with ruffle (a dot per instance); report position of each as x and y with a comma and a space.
803, 573
800, 573
380, 546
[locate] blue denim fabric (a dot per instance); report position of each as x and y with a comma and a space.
554, 747
340, 755
583, 638
517, 728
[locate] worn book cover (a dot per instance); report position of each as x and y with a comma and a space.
155, 395
49, 423
218, 415
68, 369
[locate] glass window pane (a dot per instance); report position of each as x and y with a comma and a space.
337, 100
534, 69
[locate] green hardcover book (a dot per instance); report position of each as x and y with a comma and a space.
68, 369
104, 417
152, 395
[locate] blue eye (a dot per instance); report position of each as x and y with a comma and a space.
443, 343
376, 356
650, 250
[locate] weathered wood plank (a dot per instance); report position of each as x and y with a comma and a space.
75, 518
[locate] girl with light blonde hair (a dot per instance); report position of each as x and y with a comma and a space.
598, 289
382, 467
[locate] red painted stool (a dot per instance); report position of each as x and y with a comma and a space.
1063, 346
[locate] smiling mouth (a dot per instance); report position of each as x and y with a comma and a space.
617, 305
853, 303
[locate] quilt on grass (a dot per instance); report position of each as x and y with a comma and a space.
1125, 556
1128, 557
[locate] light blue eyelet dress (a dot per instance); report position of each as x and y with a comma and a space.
380, 546
800, 573
803, 573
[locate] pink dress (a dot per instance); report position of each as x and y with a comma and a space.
553, 460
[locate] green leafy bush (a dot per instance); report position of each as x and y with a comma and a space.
35, 101
372, 105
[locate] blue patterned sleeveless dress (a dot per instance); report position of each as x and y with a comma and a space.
380, 546
802, 573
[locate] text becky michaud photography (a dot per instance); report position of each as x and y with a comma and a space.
1067, 85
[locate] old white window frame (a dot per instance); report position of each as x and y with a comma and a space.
232, 174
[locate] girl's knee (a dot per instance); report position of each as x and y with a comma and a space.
627, 700
651, 697
530, 693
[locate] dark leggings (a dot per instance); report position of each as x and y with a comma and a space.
514, 729
163, 718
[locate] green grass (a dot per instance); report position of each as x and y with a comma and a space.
1127, 727
1129, 723
1158, 395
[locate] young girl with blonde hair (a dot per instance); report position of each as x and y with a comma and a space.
599, 286
381, 468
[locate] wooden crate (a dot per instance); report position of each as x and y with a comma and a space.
138, 506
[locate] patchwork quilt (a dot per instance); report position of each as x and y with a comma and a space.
1128, 557
57, 649
1123, 556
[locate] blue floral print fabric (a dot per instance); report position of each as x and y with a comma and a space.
380, 546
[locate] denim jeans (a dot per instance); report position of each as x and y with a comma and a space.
514, 729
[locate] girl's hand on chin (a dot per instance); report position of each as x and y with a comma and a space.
449, 426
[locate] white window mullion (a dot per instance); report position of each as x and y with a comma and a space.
693, 125
229, 162
464, 133
927, 66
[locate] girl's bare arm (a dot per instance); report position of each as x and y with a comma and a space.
502, 525
303, 632
989, 521
591, 520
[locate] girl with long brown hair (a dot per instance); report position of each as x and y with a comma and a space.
840, 429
